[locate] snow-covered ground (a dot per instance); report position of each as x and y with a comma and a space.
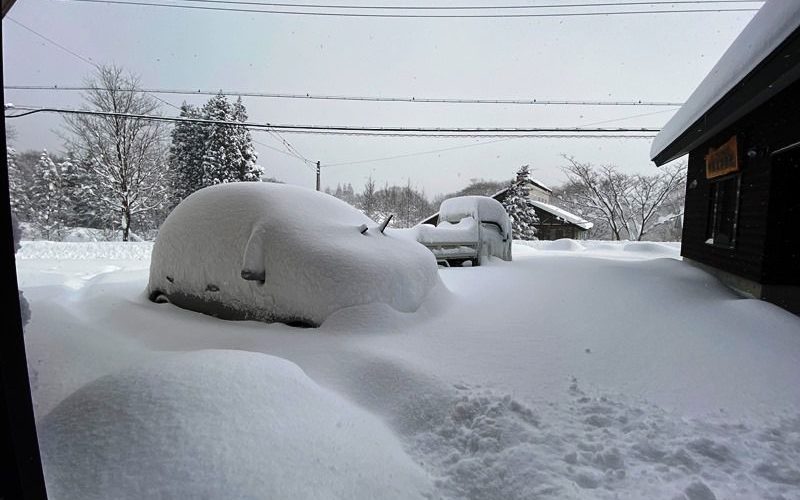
581, 369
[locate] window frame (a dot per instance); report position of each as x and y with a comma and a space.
712, 228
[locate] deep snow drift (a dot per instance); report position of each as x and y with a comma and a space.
274, 252
220, 424
581, 369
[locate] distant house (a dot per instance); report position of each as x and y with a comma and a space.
741, 130
554, 222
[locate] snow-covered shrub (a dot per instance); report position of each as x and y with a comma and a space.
273, 252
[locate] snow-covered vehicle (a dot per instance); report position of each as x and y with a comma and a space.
279, 253
470, 228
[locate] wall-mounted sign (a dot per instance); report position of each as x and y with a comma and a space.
722, 160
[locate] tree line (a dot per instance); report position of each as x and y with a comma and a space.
125, 174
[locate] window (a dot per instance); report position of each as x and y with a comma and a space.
723, 212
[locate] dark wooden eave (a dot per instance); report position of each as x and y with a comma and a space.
7, 6
776, 72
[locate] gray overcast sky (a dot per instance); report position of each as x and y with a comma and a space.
636, 57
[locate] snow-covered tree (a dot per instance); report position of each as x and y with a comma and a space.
17, 185
82, 207
47, 197
228, 153
520, 209
125, 156
185, 158
629, 206
248, 170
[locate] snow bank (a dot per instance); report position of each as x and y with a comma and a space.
274, 252
105, 250
219, 424
563, 245
616, 250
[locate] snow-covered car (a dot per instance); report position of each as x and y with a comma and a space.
279, 253
470, 228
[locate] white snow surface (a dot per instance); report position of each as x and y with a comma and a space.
480, 208
306, 246
220, 424
463, 231
776, 20
563, 214
581, 370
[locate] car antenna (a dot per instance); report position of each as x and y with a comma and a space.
386, 222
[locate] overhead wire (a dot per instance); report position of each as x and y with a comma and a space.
435, 100
434, 151
293, 153
472, 7
425, 16
342, 129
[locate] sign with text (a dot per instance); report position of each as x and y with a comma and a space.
722, 160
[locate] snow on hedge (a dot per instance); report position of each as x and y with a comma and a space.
274, 252
220, 424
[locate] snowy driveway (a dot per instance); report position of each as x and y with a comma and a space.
591, 370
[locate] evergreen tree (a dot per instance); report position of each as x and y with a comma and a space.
81, 206
247, 168
228, 154
520, 209
185, 158
17, 186
47, 197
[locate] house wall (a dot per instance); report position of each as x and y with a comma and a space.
762, 229
552, 228
538, 194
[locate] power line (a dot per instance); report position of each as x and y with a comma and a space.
435, 100
408, 155
342, 129
568, 133
470, 7
76, 55
427, 16
96, 66
433, 151
52, 42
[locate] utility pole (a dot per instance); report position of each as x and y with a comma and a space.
318, 186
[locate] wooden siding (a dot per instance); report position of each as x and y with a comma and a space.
774, 125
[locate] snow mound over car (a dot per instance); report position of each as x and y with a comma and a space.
480, 208
220, 424
273, 252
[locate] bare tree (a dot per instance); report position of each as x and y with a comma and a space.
629, 206
125, 156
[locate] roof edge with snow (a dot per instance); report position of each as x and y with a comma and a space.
763, 60
563, 215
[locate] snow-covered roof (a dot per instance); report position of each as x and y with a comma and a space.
541, 185
776, 20
563, 214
